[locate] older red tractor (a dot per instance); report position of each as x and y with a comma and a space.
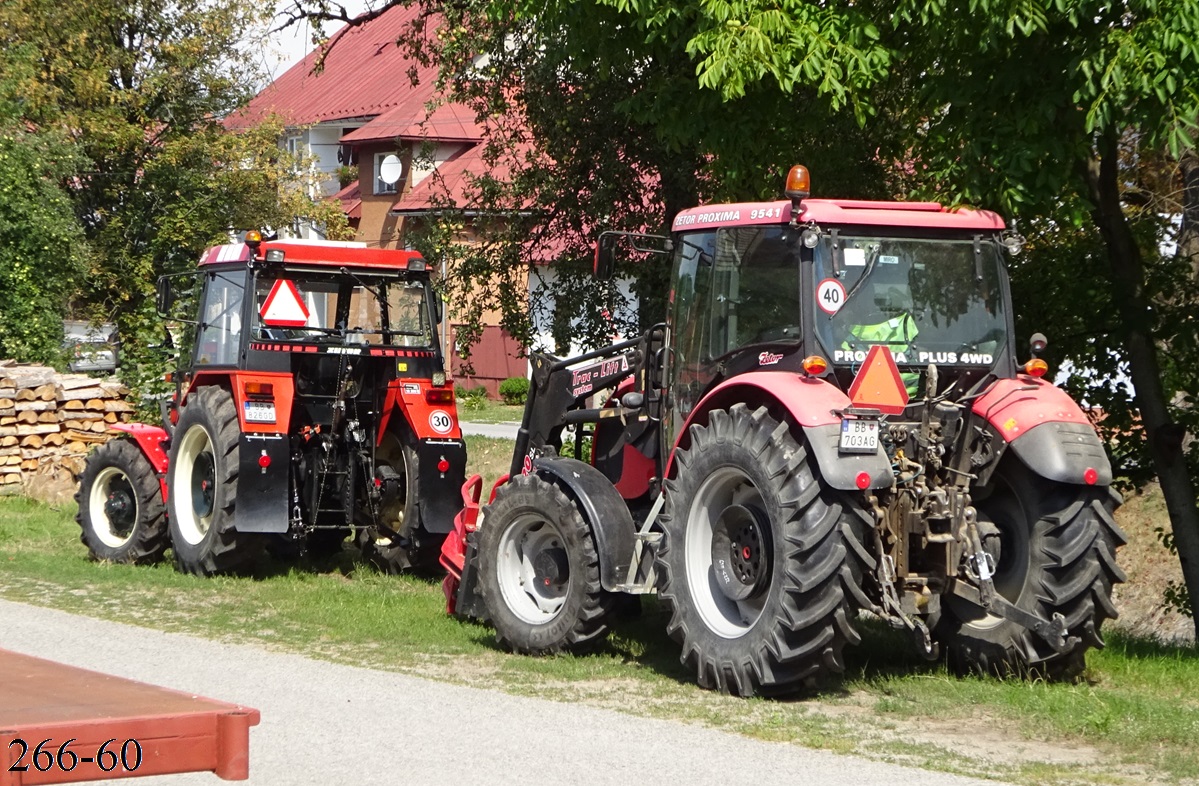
311, 403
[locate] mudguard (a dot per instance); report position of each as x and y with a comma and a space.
812, 403
1046, 430
437, 492
262, 503
152, 440
604, 509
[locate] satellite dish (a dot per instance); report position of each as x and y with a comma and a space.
390, 169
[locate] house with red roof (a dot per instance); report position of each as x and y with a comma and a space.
374, 107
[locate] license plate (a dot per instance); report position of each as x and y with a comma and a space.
260, 412
859, 436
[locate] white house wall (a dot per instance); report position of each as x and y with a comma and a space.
542, 337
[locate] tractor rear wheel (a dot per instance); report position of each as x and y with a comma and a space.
203, 487
762, 564
121, 511
1054, 546
539, 571
415, 549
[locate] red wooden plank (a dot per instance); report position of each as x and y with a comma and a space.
176, 732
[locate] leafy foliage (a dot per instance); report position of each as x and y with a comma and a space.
514, 390
140, 88
38, 234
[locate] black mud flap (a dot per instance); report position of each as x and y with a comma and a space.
1063, 452
262, 501
469, 602
440, 493
841, 470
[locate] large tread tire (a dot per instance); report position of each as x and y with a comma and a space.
531, 517
202, 484
418, 551
1057, 554
121, 512
793, 630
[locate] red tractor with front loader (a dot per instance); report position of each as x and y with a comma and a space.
835, 418
311, 404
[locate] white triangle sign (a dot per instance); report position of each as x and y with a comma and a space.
283, 306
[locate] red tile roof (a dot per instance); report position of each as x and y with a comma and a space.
351, 199
411, 120
450, 182
365, 75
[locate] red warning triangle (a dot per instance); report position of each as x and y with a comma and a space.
878, 384
284, 307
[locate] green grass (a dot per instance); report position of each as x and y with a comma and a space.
1134, 721
475, 410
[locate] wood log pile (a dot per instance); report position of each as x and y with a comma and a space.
49, 420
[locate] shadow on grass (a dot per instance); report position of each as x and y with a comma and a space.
1136, 647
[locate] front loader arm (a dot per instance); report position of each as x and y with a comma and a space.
560, 387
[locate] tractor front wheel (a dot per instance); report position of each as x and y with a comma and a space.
120, 506
539, 571
1054, 548
202, 481
762, 564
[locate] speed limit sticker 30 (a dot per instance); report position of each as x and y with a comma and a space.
830, 295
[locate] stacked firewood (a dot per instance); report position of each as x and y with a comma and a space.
49, 421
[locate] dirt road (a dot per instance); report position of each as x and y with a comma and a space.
325, 723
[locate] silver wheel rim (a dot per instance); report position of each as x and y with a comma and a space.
725, 617
107, 483
191, 525
531, 601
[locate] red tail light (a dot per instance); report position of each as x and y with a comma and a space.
439, 396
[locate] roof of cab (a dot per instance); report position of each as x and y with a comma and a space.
921, 215
316, 252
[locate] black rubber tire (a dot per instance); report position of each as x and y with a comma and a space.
207, 544
1057, 555
802, 616
416, 550
121, 512
528, 507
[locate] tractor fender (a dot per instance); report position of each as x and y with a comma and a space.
150, 439
1046, 430
604, 509
810, 402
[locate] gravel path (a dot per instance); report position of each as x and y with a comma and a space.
324, 723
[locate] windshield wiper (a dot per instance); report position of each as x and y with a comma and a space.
870, 263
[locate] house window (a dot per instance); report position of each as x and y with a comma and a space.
383, 173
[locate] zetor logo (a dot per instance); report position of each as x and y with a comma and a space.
768, 359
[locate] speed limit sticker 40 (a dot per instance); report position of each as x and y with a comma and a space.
440, 421
830, 295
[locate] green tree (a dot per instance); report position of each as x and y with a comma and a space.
1048, 108
141, 87
595, 121
42, 250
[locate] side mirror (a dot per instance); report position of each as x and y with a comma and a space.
438, 308
165, 298
605, 256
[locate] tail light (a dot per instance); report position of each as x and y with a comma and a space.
439, 396
259, 389
815, 365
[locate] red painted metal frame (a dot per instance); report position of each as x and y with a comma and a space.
927, 215
333, 255
178, 732
1014, 406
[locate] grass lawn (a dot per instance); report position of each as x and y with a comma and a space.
476, 410
1134, 721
